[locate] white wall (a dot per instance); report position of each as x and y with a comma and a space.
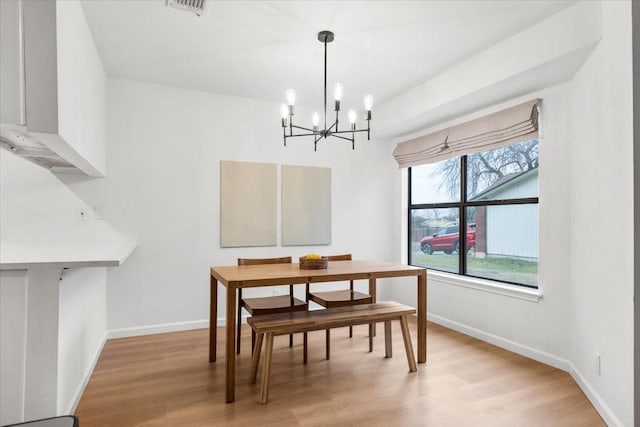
585, 191
635, 12
82, 331
601, 193
164, 151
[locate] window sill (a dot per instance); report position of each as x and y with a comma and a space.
513, 291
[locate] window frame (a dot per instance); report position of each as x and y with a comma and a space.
462, 206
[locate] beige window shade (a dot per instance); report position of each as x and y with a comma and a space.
500, 129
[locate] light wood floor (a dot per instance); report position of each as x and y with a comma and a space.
166, 380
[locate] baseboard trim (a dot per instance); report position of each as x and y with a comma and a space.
548, 359
166, 327
86, 377
530, 352
160, 329
137, 331
603, 409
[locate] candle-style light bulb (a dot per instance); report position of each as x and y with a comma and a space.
315, 119
368, 102
291, 100
291, 97
338, 90
284, 113
352, 118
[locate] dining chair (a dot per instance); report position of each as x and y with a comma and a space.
340, 298
260, 306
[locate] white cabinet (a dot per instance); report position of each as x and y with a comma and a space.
53, 86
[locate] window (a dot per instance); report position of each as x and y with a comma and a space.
489, 201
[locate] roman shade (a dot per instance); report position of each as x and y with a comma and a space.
499, 129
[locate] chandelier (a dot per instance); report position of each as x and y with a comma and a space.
287, 111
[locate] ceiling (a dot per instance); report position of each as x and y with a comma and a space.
258, 49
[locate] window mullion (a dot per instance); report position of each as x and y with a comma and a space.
409, 222
462, 224
499, 202
436, 205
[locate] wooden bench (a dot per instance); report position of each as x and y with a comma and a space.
266, 327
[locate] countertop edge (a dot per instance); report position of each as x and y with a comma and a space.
100, 261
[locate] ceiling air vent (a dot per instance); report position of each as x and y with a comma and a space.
195, 6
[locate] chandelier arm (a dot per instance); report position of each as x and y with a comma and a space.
301, 134
334, 124
303, 128
350, 131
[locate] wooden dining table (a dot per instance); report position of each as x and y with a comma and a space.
251, 276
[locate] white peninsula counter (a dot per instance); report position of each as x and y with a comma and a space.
37, 351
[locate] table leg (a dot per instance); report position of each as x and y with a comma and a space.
372, 292
372, 288
213, 319
229, 343
422, 317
